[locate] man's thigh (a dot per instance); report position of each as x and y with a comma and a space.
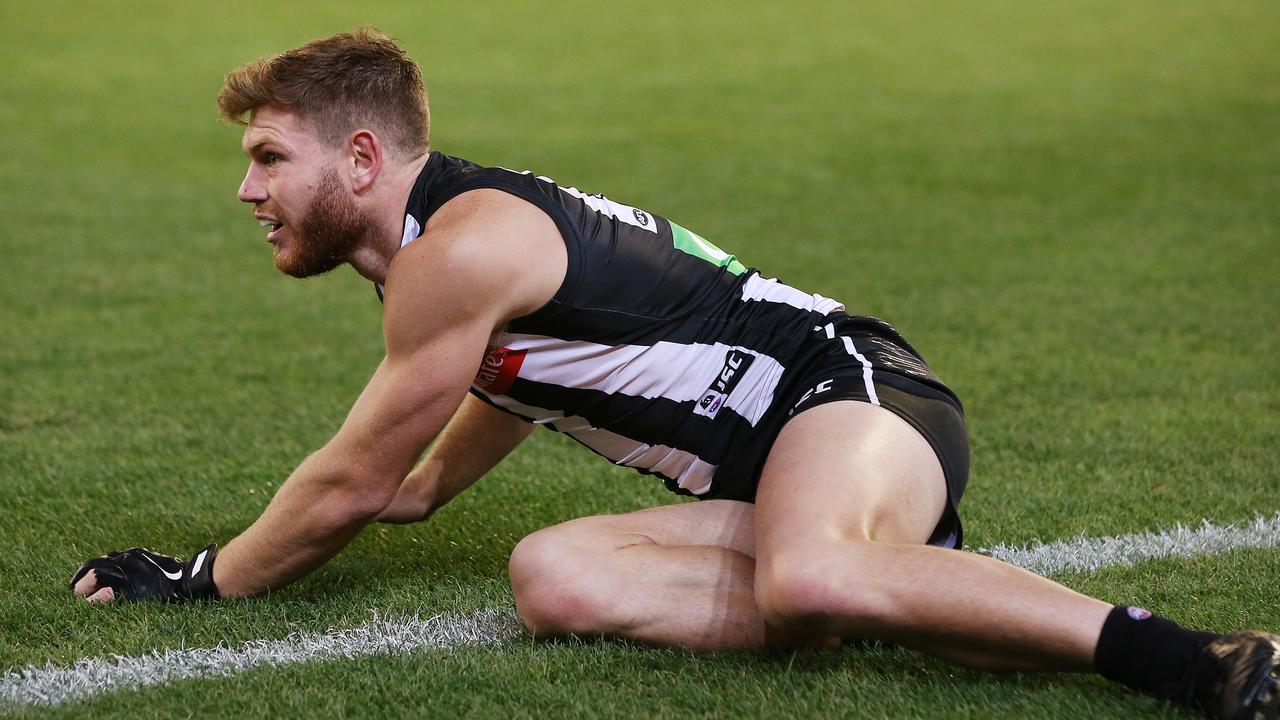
846, 472
720, 523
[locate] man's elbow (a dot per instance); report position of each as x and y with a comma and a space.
362, 504
355, 496
358, 482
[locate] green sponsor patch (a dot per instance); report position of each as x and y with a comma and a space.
697, 246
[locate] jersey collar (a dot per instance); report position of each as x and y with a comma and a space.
415, 208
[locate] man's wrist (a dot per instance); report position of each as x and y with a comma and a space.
197, 576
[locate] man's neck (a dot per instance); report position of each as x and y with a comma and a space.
372, 256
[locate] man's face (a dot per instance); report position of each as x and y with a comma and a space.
298, 192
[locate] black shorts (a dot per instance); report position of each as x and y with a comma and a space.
864, 359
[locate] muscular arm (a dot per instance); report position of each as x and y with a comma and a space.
489, 257
340, 488
477, 438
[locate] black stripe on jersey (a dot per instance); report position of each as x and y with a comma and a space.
632, 286
671, 484
496, 406
530, 189
770, 328
655, 421
643, 273
633, 281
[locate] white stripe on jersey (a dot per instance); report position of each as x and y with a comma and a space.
411, 232
770, 290
603, 205
674, 371
688, 470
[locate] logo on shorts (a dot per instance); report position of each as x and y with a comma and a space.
1138, 613
735, 366
641, 216
821, 387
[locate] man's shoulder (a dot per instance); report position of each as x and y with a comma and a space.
491, 212
482, 246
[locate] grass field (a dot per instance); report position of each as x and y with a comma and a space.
1070, 208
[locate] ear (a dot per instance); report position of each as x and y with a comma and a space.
366, 157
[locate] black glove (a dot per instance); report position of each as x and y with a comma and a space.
140, 574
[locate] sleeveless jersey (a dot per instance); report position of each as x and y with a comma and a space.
659, 351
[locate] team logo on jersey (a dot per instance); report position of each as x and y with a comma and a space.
498, 370
642, 217
735, 366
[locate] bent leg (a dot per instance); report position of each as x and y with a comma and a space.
678, 575
848, 497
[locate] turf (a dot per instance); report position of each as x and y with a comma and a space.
1070, 209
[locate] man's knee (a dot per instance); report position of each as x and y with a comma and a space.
806, 592
559, 585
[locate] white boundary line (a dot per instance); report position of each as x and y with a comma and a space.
51, 684
1082, 554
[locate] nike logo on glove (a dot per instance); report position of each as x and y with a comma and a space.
172, 576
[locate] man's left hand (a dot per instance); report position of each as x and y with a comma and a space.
140, 574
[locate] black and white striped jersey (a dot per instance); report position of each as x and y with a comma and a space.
659, 351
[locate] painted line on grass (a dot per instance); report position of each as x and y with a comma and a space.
1084, 554
51, 684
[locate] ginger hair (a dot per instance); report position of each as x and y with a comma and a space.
338, 84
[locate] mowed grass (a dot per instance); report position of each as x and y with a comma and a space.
1071, 210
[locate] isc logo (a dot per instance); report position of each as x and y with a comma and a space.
735, 366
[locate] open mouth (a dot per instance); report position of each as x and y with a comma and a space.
275, 226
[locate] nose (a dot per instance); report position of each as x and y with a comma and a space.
253, 189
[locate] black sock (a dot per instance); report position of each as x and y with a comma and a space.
1148, 652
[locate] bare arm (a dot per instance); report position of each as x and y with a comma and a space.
490, 257
340, 488
476, 439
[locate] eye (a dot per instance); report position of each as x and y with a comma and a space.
270, 158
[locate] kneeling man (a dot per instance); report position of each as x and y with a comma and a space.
828, 458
